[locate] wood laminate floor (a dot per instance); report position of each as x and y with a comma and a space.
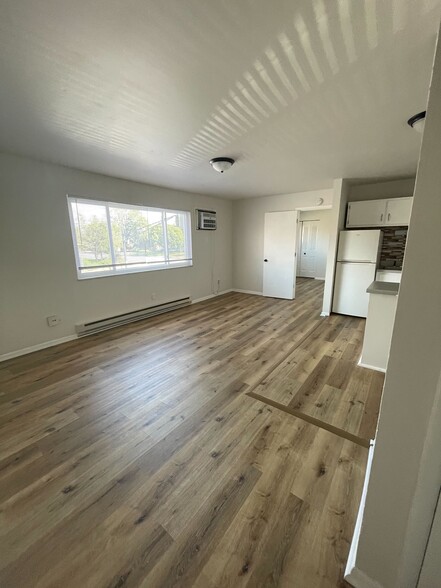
218, 445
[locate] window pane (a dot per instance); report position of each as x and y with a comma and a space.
111, 238
137, 237
154, 238
176, 236
92, 236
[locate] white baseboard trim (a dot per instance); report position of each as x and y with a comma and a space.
359, 579
212, 296
352, 574
247, 292
37, 347
322, 279
371, 367
324, 314
54, 342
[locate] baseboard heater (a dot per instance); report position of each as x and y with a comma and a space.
129, 317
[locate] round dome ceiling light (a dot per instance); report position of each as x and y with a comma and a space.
417, 121
221, 164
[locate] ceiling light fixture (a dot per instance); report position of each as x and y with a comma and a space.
417, 121
221, 164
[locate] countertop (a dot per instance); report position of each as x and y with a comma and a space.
388, 288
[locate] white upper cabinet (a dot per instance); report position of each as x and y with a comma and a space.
398, 211
369, 213
379, 213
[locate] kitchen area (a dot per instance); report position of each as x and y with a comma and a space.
368, 272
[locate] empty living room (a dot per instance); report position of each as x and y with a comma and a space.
220, 329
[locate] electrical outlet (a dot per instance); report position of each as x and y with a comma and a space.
153, 296
53, 320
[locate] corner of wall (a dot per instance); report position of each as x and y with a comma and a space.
336, 223
402, 494
359, 579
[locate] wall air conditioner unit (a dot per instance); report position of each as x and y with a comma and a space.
206, 220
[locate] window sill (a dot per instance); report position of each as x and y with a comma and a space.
123, 272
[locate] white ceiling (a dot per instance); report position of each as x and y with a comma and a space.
300, 92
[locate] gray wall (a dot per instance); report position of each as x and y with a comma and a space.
382, 189
37, 264
406, 469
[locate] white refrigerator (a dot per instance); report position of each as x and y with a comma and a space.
357, 258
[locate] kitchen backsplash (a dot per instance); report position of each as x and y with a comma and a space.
392, 251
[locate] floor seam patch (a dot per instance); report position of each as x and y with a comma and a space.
311, 420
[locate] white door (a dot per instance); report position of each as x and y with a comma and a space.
298, 245
279, 253
351, 282
369, 213
308, 249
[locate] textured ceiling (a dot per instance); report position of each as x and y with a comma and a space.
300, 92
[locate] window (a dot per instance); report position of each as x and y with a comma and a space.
112, 238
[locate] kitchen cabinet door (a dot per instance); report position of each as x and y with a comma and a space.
369, 213
398, 211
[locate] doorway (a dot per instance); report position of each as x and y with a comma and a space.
283, 253
308, 234
314, 230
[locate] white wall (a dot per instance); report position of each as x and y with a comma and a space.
38, 275
249, 216
383, 189
324, 230
406, 469
337, 223
432, 565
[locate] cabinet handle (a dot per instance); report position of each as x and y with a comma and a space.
381, 217
388, 217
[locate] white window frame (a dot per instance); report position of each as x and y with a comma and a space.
115, 269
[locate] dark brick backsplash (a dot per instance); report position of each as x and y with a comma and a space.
392, 251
